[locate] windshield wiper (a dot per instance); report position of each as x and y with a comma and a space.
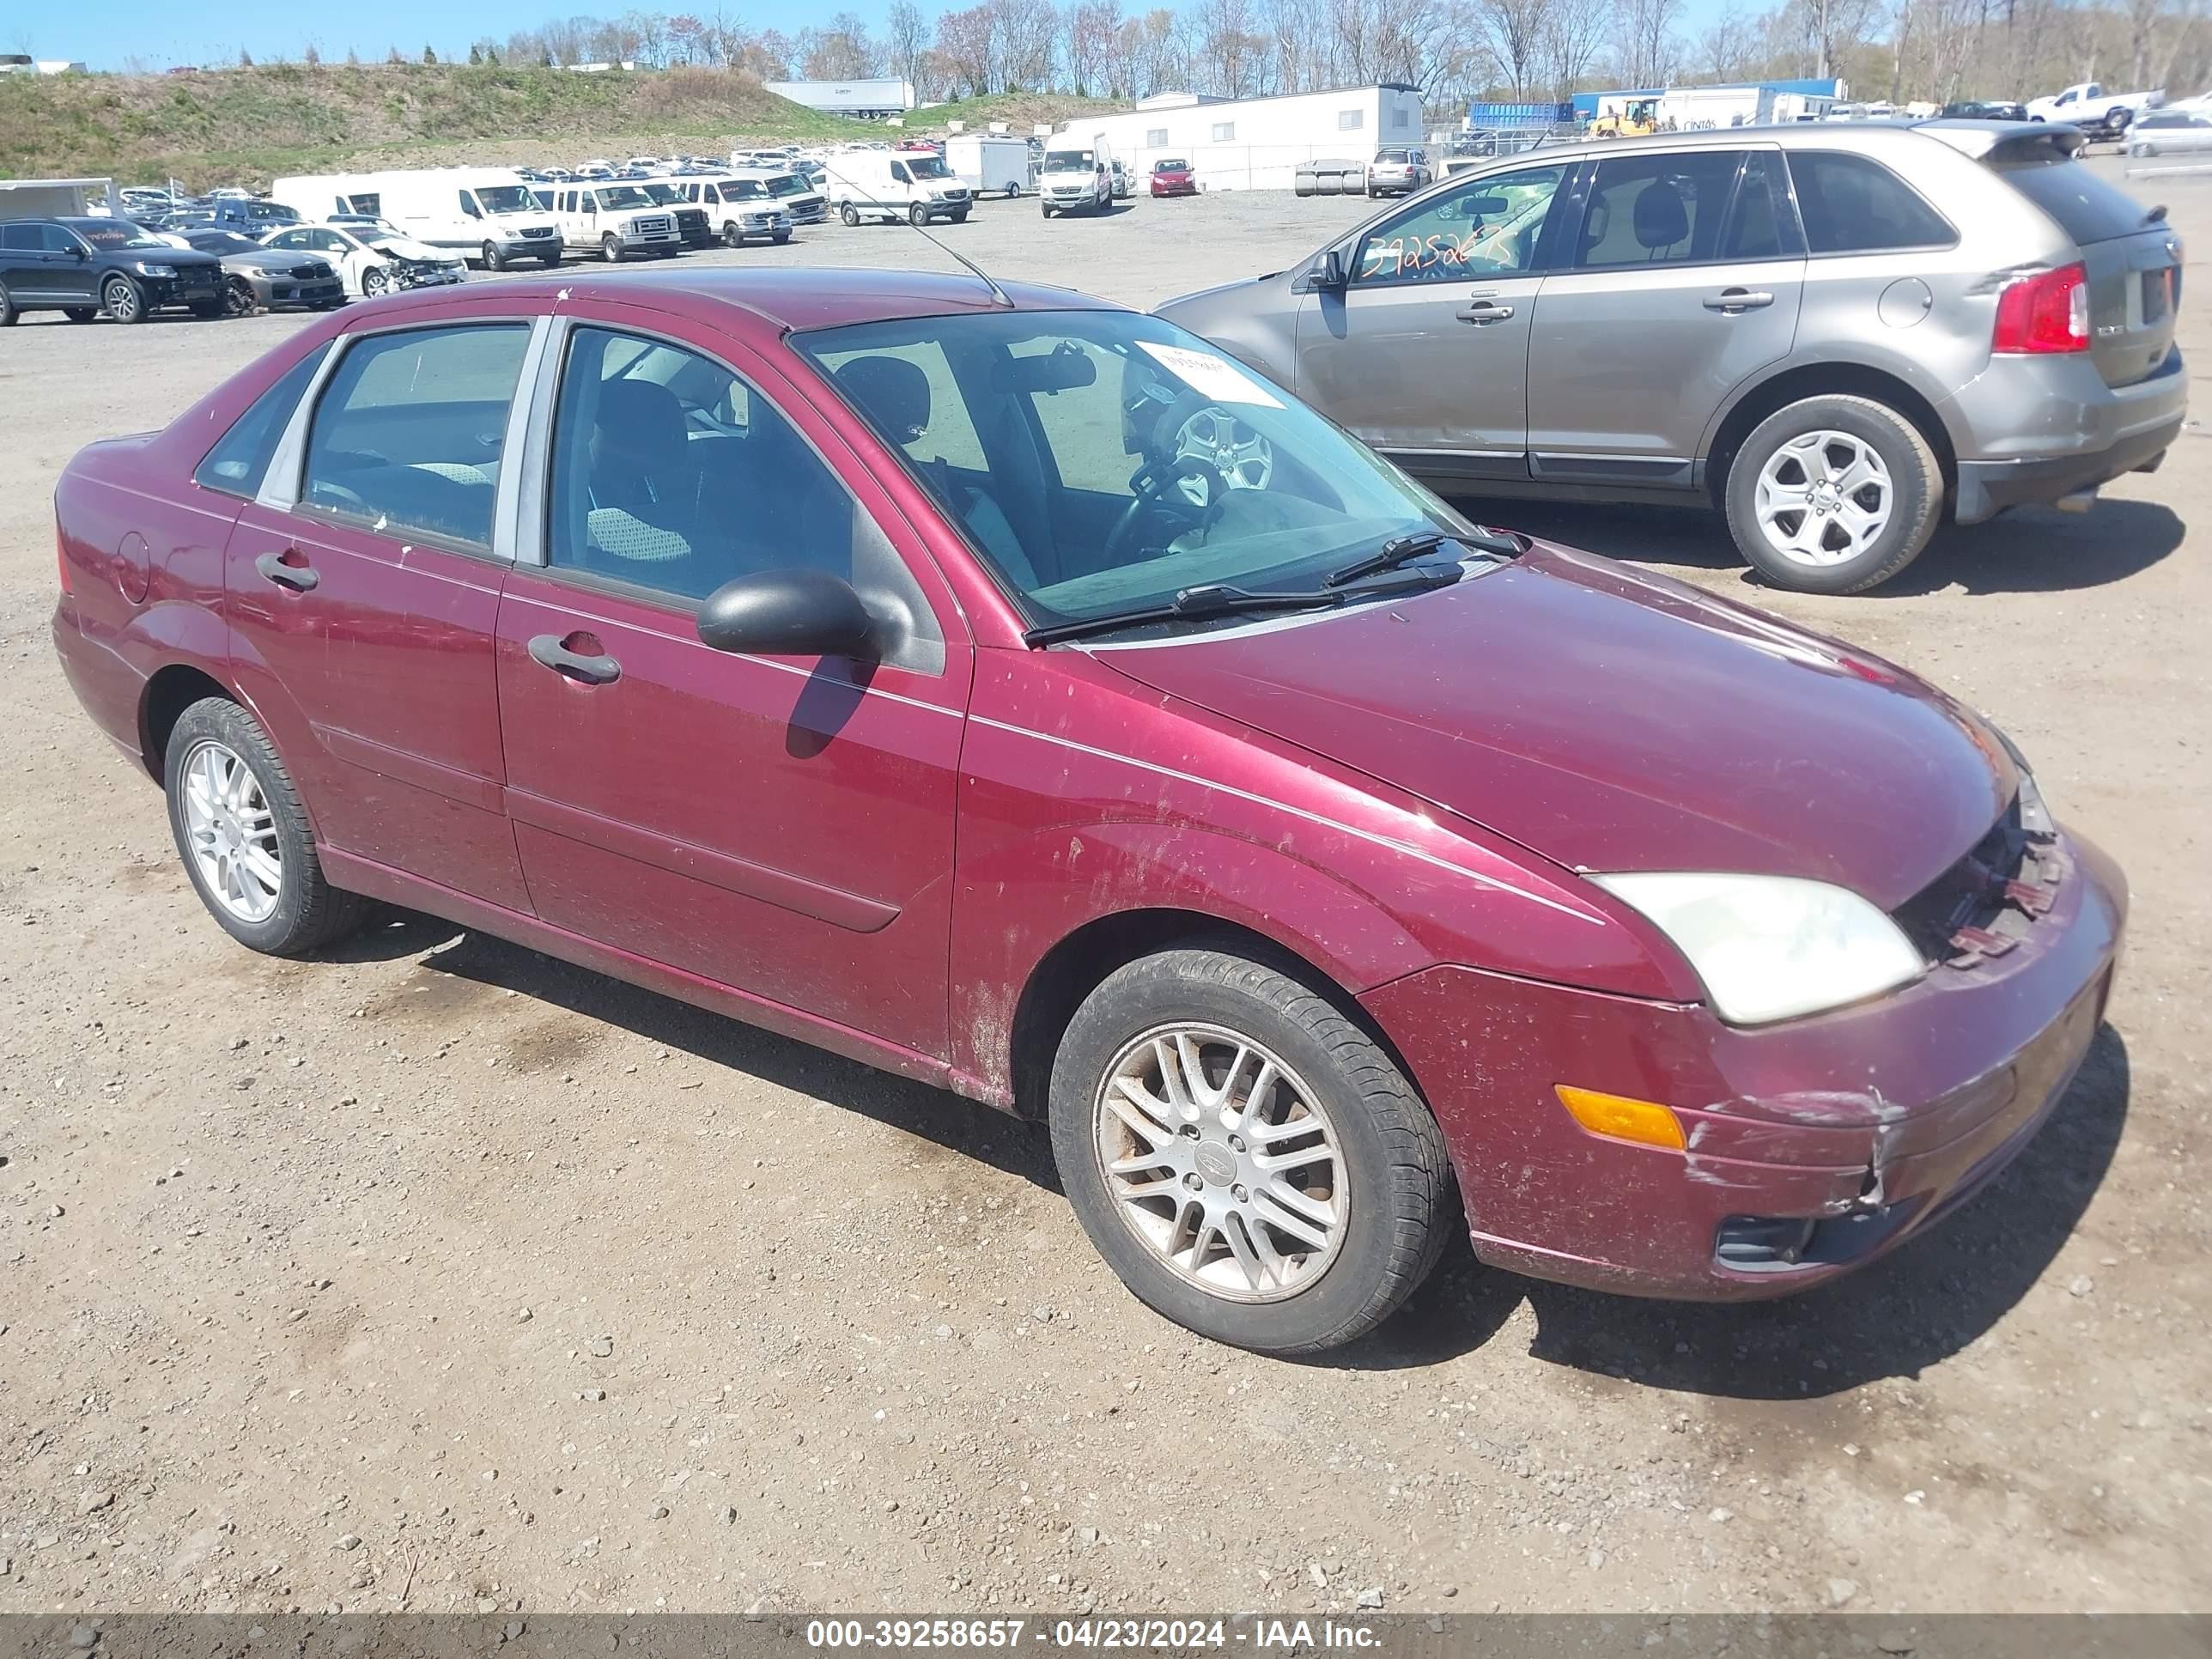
1221, 600
1403, 549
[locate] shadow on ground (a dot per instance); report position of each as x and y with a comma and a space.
2029, 550
1936, 1295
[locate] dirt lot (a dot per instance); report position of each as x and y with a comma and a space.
439, 1275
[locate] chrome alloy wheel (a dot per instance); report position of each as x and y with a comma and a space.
1221, 1162
232, 832
1824, 497
1244, 458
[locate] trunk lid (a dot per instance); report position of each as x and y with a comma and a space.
2132, 256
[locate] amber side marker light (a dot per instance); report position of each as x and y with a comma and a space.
1618, 1117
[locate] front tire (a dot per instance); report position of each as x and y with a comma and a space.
80, 313
918, 216
1244, 1156
1046, 208
121, 300
1833, 495
245, 838
610, 248
8, 312
238, 296
493, 259
850, 214
375, 283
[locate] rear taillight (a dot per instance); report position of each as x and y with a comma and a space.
61, 557
2048, 312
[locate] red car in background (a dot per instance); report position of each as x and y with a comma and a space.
1011, 690
1174, 177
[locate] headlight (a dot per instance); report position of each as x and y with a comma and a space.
1772, 947
147, 268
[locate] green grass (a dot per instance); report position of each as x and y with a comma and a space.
247, 126
1019, 110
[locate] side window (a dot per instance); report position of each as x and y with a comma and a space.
669, 473
1656, 209
1224, 132
58, 240
1488, 226
1852, 205
24, 237
1756, 228
900, 173
926, 417
406, 438
240, 459
469, 205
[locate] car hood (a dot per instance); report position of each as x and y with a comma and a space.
1609, 720
280, 259
402, 247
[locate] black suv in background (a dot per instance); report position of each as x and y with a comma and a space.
82, 267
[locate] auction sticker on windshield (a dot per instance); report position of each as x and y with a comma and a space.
1210, 376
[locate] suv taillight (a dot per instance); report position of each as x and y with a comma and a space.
2048, 312
61, 557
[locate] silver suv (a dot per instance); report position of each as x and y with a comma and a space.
1835, 336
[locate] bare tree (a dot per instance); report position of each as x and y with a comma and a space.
1729, 48
1514, 30
1087, 29
1646, 50
905, 39
1027, 34
967, 47
1573, 32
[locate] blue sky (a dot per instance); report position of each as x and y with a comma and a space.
160, 33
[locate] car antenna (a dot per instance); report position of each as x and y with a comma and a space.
998, 295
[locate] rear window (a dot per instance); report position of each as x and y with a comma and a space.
1852, 205
2086, 208
238, 463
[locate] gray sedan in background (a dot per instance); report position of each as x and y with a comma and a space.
255, 275
2171, 132
1836, 336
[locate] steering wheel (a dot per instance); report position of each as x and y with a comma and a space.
1153, 488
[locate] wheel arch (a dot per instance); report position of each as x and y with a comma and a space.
1083, 959
170, 690
1833, 379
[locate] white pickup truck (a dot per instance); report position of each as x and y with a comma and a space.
2089, 105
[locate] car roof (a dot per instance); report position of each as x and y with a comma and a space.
799, 297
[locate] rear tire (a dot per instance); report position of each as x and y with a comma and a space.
1906, 490
308, 912
8, 312
78, 313
1384, 1206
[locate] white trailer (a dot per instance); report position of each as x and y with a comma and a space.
989, 165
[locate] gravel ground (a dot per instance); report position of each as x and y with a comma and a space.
438, 1275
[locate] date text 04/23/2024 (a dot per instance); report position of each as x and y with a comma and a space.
1266, 1635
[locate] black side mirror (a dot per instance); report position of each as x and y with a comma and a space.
1326, 275
77, 252
788, 613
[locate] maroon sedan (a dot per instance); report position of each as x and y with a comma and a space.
1174, 177
1011, 691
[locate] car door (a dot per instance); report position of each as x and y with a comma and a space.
363, 588
71, 274
1681, 278
1423, 350
780, 825
27, 269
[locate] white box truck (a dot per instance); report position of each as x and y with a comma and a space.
488, 215
989, 165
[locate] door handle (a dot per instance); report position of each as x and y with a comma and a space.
288, 569
585, 668
1733, 300
1479, 312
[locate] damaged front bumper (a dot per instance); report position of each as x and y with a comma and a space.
1810, 1147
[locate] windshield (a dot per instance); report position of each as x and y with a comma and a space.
929, 167
744, 190
666, 195
784, 184
1171, 166
223, 241
505, 198
622, 196
1070, 160
116, 232
1103, 461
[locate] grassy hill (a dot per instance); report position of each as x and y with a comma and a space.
1020, 111
246, 126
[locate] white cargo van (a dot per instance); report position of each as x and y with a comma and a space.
908, 184
614, 221
1077, 177
989, 165
485, 214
